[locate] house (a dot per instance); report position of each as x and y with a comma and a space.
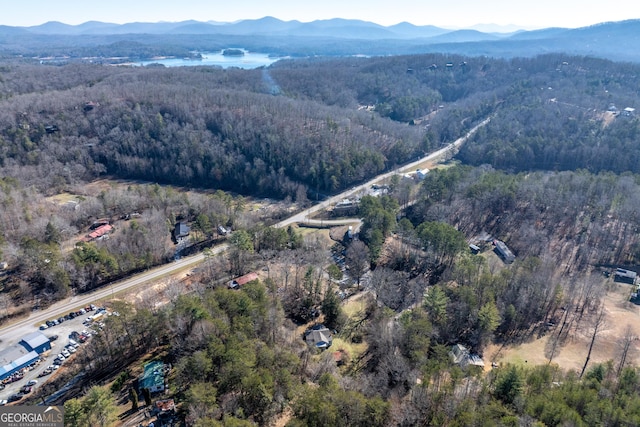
222, 230
422, 173
318, 336
98, 233
628, 112
242, 280
346, 207
504, 252
474, 249
181, 231
36, 341
153, 377
624, 276
461, 356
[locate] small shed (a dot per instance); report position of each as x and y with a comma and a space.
474, 249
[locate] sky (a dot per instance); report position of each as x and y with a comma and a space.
529, 14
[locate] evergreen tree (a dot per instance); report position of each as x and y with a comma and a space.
133, 397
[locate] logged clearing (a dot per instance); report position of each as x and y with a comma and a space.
619, 313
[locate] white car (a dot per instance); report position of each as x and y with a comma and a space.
32, 382
65, 353
3, 402
71, 349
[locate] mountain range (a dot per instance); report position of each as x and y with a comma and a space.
613, 40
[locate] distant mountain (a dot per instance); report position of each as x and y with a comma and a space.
546, 33
612, 40
408, 30
90, 27
496, 29
342, 28
463, 36
8, 30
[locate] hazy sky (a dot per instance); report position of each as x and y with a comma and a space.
443, 13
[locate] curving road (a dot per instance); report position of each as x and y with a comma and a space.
13, 332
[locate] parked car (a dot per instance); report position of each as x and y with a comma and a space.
3, 402
53, 338
26, 389
14, 397
65, 353
71, 349
44, 326
61, 319
32, 382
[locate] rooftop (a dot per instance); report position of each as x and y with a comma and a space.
35, 339
153, 375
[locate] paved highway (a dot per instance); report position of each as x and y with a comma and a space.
12, 333
303, 216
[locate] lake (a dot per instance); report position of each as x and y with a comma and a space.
247, 61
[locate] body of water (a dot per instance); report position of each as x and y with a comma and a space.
247, 61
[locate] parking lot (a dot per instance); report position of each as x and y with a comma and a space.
67, 334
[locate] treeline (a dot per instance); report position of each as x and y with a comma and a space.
541, 214
568, 116
300, 128
202, 127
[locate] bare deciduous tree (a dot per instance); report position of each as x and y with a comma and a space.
599, 322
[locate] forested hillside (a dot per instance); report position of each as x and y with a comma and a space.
552, 174
301, 127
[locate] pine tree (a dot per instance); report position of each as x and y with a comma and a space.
133, 397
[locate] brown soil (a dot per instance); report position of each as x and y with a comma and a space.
619, 313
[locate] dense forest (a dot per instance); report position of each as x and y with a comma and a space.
553, 174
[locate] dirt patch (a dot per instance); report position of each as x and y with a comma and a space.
619, 313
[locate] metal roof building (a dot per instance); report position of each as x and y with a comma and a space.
37, 342
14, 358
153, 377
